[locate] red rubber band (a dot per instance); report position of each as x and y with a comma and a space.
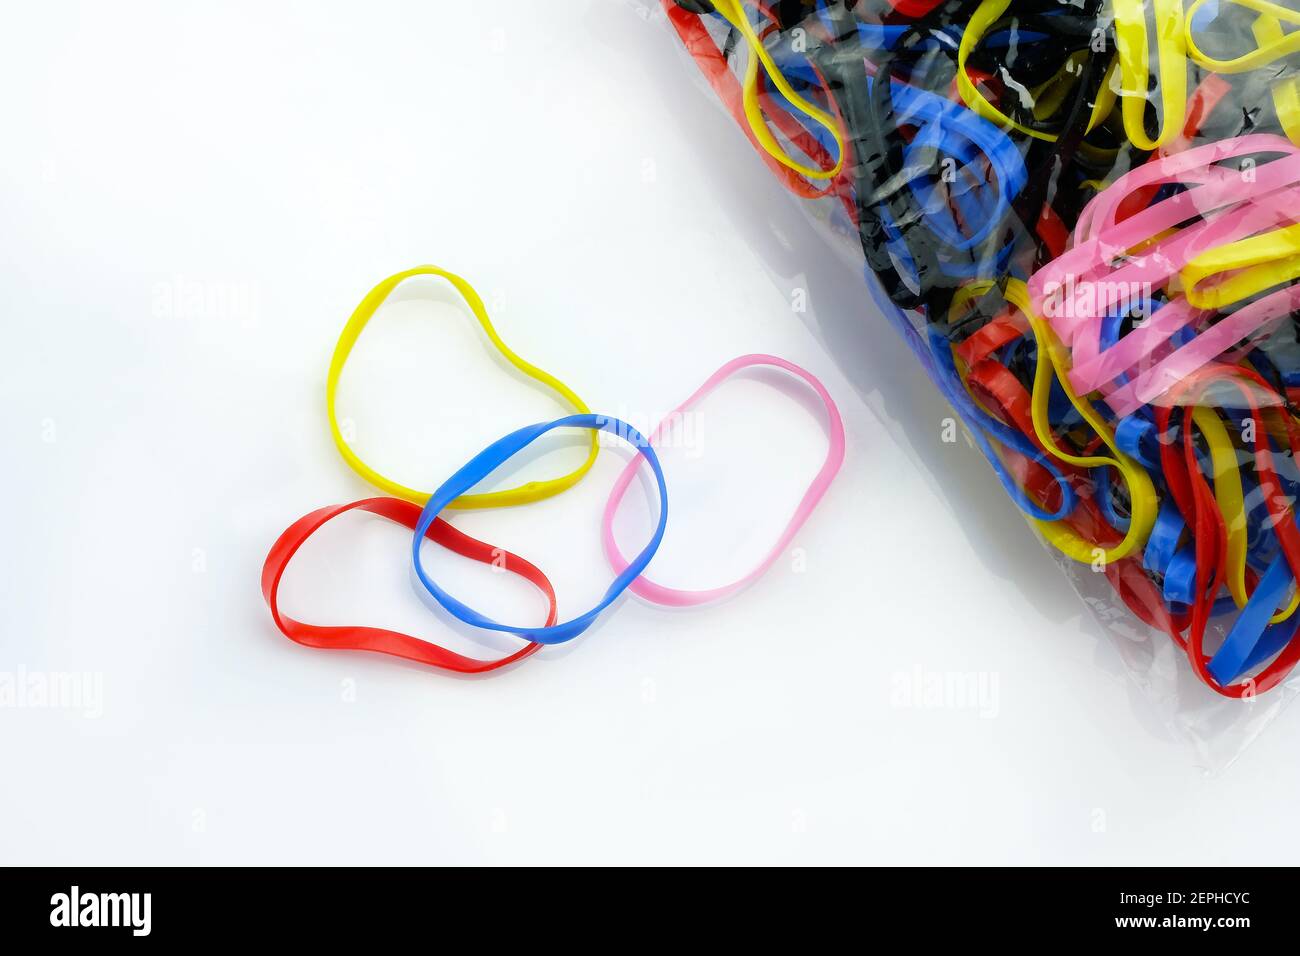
713, 64
1194, 497
1002, 330
379, 640
914, 8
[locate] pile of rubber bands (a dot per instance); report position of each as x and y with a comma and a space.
1084, 218
423, 512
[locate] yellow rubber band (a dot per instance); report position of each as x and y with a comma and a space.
1171, 68
1107, 96
1292, 606
1286, 97
1228, 494
734, 13
1054, 362
1050, 95
1242, 269
986, 15
533, 490
1286, 92
1273, 48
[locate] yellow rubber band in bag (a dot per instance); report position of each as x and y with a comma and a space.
1053, 362
1286, 91
1247, 267
1286, 98
986, 15
1171, 68
533, 490
1273, 46
1228, 495
734, 13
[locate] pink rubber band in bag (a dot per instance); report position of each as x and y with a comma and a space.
1227, 206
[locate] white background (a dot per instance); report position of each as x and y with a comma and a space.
194, 197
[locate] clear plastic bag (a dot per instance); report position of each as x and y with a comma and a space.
1083, 217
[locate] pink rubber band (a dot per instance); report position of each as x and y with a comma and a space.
1254, 319
1223, 206
1196, 165
1154, 269
675, 597
1099, 240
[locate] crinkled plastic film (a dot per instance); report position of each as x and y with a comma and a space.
1083, 217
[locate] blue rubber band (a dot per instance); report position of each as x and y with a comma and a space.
1252, 640
984, 426
1162, 543
1105, 499
1271, 643
1180, 577
1241, 648
491, 458
1136, 437
948, 128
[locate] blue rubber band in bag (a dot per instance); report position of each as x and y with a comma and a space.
1252, 640
984, 426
